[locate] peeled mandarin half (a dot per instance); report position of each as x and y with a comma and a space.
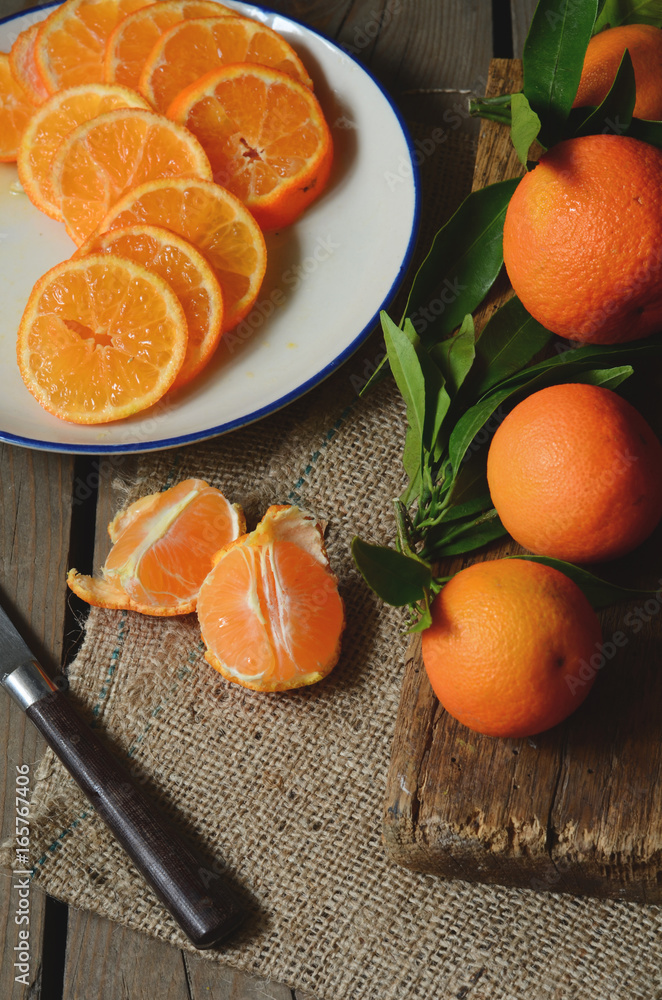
163, 545
214, 221
190, 277
270, 613
265, 136
105, 157
101, 338
188, 50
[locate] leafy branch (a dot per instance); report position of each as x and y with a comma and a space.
552, 63
457, 386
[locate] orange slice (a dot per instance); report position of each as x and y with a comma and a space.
15, 110
71, 42
134, 38
163, 549
269, 611
101, 338
188, 50
49, 126
214, 221
103, 158
265, 136
190, 277
24, 67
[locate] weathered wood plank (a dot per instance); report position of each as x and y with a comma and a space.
208, 980
606, 820
34, 542
576, 809
496, 159
110, 961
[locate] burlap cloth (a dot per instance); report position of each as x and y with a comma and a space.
288, 789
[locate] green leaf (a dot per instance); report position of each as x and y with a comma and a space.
411, 460
615, 12
436, 397
509, 341
524, 126
645, 131
600, 593
553, 59
472, 421
470, 481
465, 510
574, 359
473, 536
465, 257
614, 115
455, 355
608, 378
407, 373
396, 578
421, 385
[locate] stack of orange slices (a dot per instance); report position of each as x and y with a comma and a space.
165, 137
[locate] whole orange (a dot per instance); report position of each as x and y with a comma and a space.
582, 239
510, 646
575, 472
603, 57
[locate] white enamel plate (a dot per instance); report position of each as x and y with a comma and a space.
327, 276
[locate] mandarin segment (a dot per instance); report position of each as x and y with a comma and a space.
102, 159
50, 125
575, 472
163, 549
71, 42
190, 277
101, 338
508, 649
270, 613
188, 50
214, 221
265, 135
15, 110
134, 37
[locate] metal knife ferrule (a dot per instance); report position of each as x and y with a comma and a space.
28, 684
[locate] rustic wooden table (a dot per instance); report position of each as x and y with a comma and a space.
53, 510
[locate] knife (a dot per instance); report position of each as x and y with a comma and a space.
203, 906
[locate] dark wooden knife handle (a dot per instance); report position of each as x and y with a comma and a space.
198, 899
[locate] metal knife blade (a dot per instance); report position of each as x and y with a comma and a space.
20, 673
14, 651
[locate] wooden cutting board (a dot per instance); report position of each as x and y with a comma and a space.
577, 809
